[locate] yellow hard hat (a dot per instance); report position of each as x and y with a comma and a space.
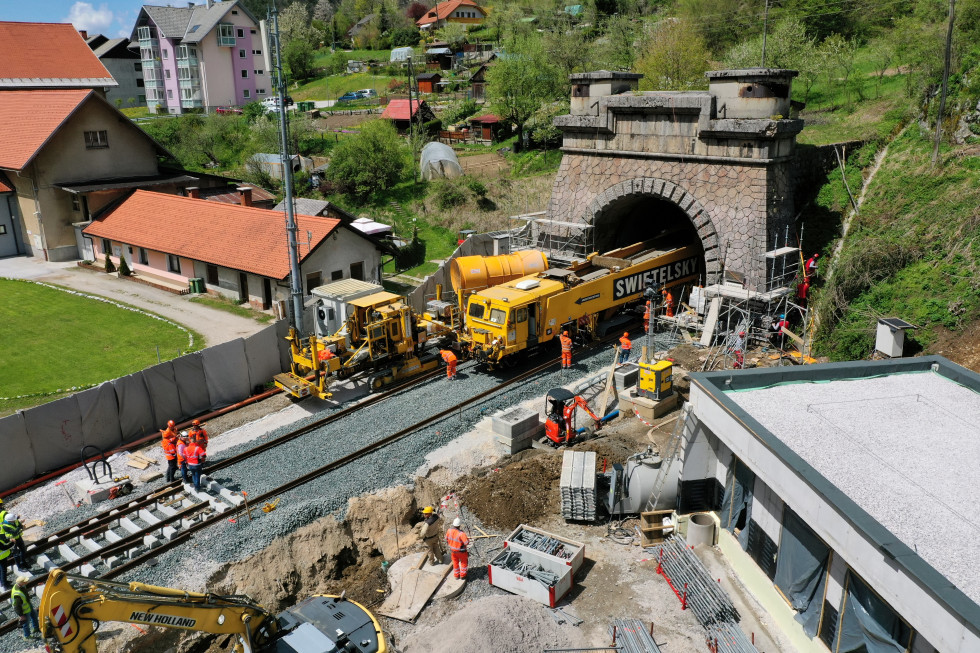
428, 510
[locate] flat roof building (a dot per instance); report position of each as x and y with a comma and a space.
846, 494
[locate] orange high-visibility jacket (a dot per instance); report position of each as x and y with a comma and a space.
457, 540
181, 450
199, 436
566, 343
193, 453
448, 356
169, 446
625, 343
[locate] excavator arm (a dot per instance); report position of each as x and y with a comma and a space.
72, 607
581, 403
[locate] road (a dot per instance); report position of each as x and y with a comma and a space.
215, 325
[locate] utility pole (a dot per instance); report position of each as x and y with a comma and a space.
295, 285
765, 30
942, 95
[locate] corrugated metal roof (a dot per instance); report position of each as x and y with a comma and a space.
346, 289
305, 206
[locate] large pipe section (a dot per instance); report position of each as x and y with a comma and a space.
471, 273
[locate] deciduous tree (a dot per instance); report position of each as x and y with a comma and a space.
372, 160
521, 80
675, 58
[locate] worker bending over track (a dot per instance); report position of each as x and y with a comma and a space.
450, 359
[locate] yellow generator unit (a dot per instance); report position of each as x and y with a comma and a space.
655, 380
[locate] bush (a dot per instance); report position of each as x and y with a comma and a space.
477, 186
458, 111
433, 127
372, 160
124, 267
109, 267
449, 194
410, 255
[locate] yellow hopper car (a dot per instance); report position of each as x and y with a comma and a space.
524, 314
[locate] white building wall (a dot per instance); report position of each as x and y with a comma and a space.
923, 612
767, 510
337, 254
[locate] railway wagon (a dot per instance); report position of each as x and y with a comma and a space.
526, 313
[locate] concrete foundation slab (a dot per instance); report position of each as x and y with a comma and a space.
650, 409
515, 421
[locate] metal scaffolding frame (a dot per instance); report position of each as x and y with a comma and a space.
563, 242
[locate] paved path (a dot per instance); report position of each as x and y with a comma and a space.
215, 325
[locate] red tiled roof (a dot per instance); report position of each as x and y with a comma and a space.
442, 10
48, 54
237, 237
29, 118
5, 185
230, 194
398, 110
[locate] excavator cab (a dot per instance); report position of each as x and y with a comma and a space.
560, 407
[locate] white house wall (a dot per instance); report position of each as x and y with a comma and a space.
338, 254
895, 585
767, 510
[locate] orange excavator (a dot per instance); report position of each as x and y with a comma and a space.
560, 407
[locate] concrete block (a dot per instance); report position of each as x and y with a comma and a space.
44, 562
148, 517
649, 409
94, 492
515, 421
512, 446
626, 375
232, 497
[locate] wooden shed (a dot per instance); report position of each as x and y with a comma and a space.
428, 82
485, 127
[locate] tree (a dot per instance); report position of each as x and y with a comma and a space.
324, 10
372, 160
405, 36
416, 10
501, 17
452, 33
621, 33
295, 25
838, 55
521, 80
675, 59
298, 57
568, 48
383, 19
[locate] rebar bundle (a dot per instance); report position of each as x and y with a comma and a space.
513, 561
727, 637
632, 637
542, 543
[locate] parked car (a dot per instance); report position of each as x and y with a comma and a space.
351, 96
368, 93
271, 103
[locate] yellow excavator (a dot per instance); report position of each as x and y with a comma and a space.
72, 607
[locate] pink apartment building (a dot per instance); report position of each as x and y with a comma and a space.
201, 56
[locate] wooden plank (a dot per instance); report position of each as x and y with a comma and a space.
415, 589
611, 262
136, 463
711, 321
609, 382
795, 338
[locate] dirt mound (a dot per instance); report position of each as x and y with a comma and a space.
961, 347
504, 624
520, 493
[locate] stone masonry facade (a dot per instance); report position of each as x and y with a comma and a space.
723, 160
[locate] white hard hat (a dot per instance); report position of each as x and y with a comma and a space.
456, 522
22, 580
9, 517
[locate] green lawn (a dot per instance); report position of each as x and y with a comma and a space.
331, 88
54, 340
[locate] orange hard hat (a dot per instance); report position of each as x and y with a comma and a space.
196, 422
626, 334
170, 424
564, 333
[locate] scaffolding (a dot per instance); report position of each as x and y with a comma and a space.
563, 242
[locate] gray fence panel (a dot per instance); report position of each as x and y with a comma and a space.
55, 431
262, 355
135, 409
192, 386
100, 416
285, 352
17, 462
226, 371
164, 397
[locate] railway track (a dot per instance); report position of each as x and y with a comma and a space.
126, 537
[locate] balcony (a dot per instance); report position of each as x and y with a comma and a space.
152, 83
194, 83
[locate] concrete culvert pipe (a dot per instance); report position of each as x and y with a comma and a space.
472, 273
701, 530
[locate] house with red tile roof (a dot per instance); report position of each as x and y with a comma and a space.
49, 56
403, 112
239, 251
465, 12
67, 153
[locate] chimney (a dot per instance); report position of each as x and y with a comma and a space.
84, 34
246, 195
193, 191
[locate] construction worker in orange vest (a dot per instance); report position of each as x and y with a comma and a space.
566, 350
181, 458
200, 436
169, 444
625, 347
740, 351
458, 542
450, 359
812, 266
194, 454
668, 303
646, 318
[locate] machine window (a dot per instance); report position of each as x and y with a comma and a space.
476, 310
520, 315
497, 316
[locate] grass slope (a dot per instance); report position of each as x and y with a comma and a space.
54, 340
913, 253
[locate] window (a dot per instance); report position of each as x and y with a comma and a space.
165, 53
234, 12
357, 270
241, 33
259, 72
144, 256
246, 93
497, 316
142, 99
186, 94
253, 31
226, 35
476, 310
245, 73
261, 91
336, 275
138, 66
3, 230
242, 54
173, 263
256, 52
520, 315
211, 272
76, 204
168, 73
96, 140
140, 83
106, 246
170, 94
144, 33
312, 281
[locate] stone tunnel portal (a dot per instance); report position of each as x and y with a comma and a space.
636, 218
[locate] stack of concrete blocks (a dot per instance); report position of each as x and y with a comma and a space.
516, 427
626, 377
577, 486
